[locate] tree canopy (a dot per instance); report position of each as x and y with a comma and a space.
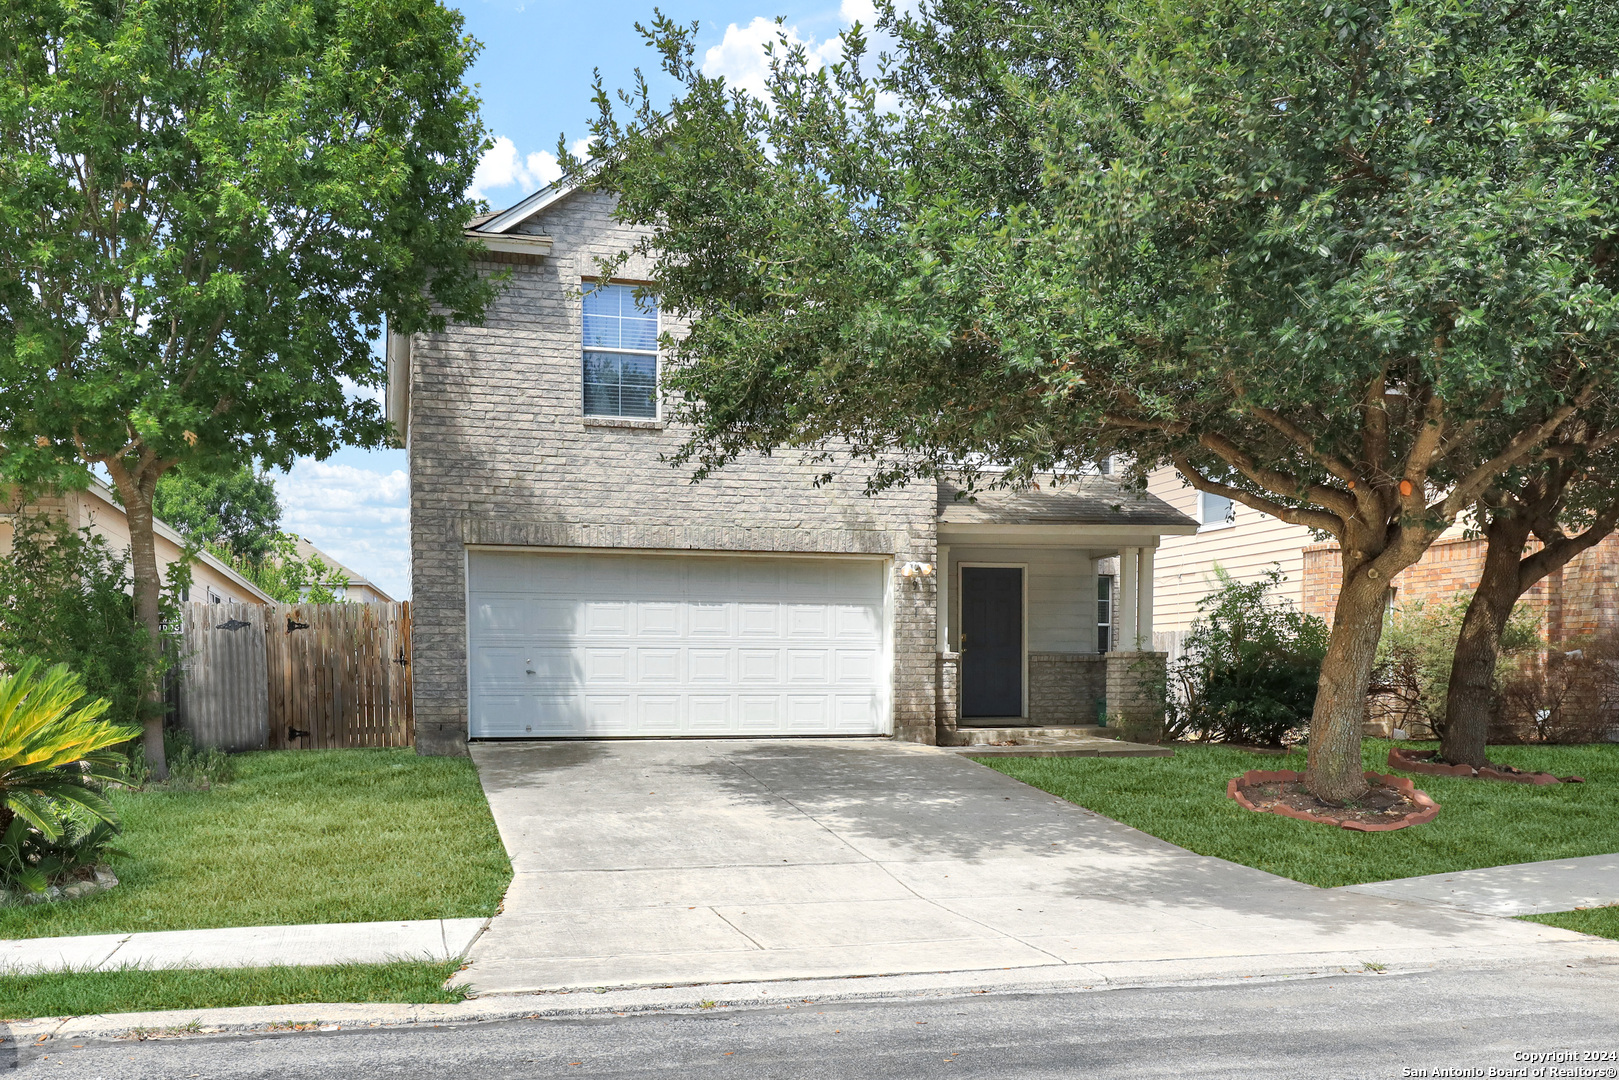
236, 510
1345, 264
207, 209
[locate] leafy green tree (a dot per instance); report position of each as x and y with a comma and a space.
207, 209
1344, 264
1568, 500
234, 510
290, 579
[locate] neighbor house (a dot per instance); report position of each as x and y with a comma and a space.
568, 581
1578, 599
97, 508
354, 587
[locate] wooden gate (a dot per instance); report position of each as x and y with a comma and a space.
329, 675
222, 697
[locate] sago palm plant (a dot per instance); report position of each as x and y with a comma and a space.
55, 750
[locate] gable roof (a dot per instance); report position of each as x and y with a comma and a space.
494, 230
1081, 500
355, 579
501, 221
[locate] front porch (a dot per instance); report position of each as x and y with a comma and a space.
1045, 602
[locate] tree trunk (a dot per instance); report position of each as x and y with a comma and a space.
1335, 773
1470, 702
137, 493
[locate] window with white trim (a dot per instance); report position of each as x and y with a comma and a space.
1215, 511
1104, 612
620, 353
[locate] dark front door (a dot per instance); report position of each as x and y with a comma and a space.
991, 641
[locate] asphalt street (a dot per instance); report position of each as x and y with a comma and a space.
1348, 1026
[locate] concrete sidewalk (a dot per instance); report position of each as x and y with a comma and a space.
1520, 889
248, 946
688, 862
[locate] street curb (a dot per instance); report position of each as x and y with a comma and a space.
183, 1023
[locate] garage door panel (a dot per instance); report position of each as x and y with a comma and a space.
607, 666
709, 620
660, 666
761, 713
598, 645
811, 666
661, 619
759, 620
759, 666
809, 621
657, 714
710, 713
607, 618
710, 666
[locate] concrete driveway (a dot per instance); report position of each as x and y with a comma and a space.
675, 863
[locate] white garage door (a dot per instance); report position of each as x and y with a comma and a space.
599, 644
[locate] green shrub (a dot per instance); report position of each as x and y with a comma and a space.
1250, 667
65, 598
1411, 681
56, 753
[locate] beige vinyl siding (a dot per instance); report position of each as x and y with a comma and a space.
89, 510
1246, 548
1060, 586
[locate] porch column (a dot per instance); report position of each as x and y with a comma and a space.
1127, 599
1144, 602
941, 578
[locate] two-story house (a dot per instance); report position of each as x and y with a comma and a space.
568, 582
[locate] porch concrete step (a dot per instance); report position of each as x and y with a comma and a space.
1049, 742
978, 736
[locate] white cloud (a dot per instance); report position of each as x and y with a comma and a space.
361, 517
740, 55
502, 167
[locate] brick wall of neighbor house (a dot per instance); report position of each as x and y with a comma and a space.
1583, 598
1064, 687
502, 455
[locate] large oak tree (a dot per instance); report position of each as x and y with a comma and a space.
1346, 264
207, 208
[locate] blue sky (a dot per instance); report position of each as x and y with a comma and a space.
534, 76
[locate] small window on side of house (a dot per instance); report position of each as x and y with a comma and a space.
1104, 612
620, 353
1215, 511
215, 598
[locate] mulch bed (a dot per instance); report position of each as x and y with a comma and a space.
1392, 803
1427, 761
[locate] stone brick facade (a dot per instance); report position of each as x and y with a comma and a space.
1064, 688
1580, 599
1135, 687
948, 699
501, 454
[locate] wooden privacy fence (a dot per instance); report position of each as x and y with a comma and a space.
295, 676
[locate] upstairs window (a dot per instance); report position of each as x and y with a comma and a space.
1215, 511
621, 353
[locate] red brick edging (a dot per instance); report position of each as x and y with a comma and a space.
1429, 811
1399, 759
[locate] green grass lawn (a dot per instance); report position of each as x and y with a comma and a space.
300, 836
1601, 921
1481, 822
87, 993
